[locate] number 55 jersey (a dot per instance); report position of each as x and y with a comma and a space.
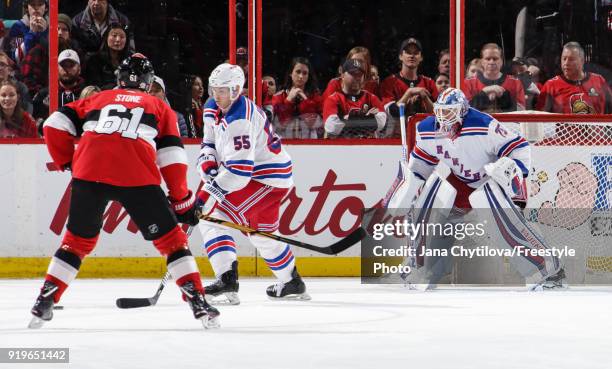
127, 137
243, 142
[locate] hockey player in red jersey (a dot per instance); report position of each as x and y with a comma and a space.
129, 141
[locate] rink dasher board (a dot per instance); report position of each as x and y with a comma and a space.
351, 174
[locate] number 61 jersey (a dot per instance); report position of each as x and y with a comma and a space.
126, 137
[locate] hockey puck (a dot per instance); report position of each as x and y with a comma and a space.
58, 307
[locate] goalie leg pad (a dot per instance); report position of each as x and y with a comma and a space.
404, 189
509, 228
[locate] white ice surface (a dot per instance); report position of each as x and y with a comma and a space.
346, 325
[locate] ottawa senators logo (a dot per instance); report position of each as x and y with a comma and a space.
579, 106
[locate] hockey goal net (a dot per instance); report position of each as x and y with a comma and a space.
570, 186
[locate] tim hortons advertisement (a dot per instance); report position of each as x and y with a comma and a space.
332, 185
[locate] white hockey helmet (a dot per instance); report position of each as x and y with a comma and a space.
227, 75
450, 108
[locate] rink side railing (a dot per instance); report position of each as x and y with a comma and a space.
331, 189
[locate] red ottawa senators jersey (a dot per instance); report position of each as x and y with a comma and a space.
127, 137
512, 99
393, 88
588, 96
342, 105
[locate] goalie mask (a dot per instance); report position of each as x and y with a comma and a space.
135, 71
450, 108
226, 79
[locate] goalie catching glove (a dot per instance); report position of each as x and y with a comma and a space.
507, 174
185, 209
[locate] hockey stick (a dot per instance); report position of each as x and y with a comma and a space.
399, 179
136, 302
130, 303
335, 248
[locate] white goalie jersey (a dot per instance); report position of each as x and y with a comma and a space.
482, 140
245, 146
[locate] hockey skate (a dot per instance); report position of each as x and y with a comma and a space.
201, 309
42, 310
556, 281
225, 287
295, 289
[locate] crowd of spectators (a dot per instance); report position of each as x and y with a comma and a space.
358, 102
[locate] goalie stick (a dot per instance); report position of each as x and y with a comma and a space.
400, 178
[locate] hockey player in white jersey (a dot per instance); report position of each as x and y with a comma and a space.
246, 174
488, 166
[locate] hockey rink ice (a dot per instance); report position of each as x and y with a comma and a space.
345, 325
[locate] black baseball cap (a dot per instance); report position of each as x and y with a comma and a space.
353, 65
410, 41
520, 61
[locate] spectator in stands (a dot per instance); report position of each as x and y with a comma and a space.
520, 70
13, 44
39, 30
408, 86
353, 112
91, 25
444, 62
473, 68
575, 91
100, 68
65, 39
35, 67
374, 74
14, 121
268, 89
534, 70
195, 112
270, 84
158, 89
442, 82
298, 106
69, 87
362, 54
7, 73
493, 91
88, 91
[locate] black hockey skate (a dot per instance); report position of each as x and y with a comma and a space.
556, 281
295, 289
201, 309
42, 310
226, 287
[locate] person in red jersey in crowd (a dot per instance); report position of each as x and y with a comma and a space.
575, 91
129, 142
353, 112
444, 62
407, 86
362, 54
14, 121
493, 91
298, 106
